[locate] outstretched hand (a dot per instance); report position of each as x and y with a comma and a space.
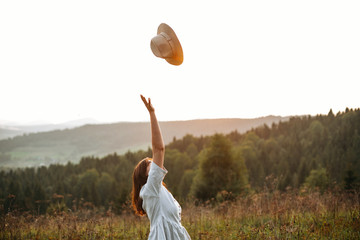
148, 104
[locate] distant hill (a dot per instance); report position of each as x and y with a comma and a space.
61, 146
9, 129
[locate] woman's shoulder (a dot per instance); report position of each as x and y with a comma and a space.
148, 191
145, 191
154, 182
155, 168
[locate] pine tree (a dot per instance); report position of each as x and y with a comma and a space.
218, 170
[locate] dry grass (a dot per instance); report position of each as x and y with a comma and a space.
269, 215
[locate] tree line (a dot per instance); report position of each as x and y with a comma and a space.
316, 152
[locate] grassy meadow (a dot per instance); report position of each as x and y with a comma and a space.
266, 215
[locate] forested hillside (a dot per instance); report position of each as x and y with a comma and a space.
62, 146
317, 152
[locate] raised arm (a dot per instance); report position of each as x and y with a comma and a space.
158, 147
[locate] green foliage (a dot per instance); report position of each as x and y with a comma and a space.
176, 163
304, 151
220, 169
240, 181
249, 150
104, 188
317, 179
185, 183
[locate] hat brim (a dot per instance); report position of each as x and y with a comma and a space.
178, 56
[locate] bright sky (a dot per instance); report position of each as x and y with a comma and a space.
66, 60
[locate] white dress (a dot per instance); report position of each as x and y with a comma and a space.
163, 211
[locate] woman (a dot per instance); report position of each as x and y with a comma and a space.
149, 196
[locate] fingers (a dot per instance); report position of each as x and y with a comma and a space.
147, 103
144, 99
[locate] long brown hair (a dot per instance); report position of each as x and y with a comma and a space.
139, 179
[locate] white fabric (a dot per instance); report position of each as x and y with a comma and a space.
163, 211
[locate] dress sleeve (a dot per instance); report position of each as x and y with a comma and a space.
154, 181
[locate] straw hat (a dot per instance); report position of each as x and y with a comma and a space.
166, 45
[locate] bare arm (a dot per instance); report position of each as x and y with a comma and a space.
158, 147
